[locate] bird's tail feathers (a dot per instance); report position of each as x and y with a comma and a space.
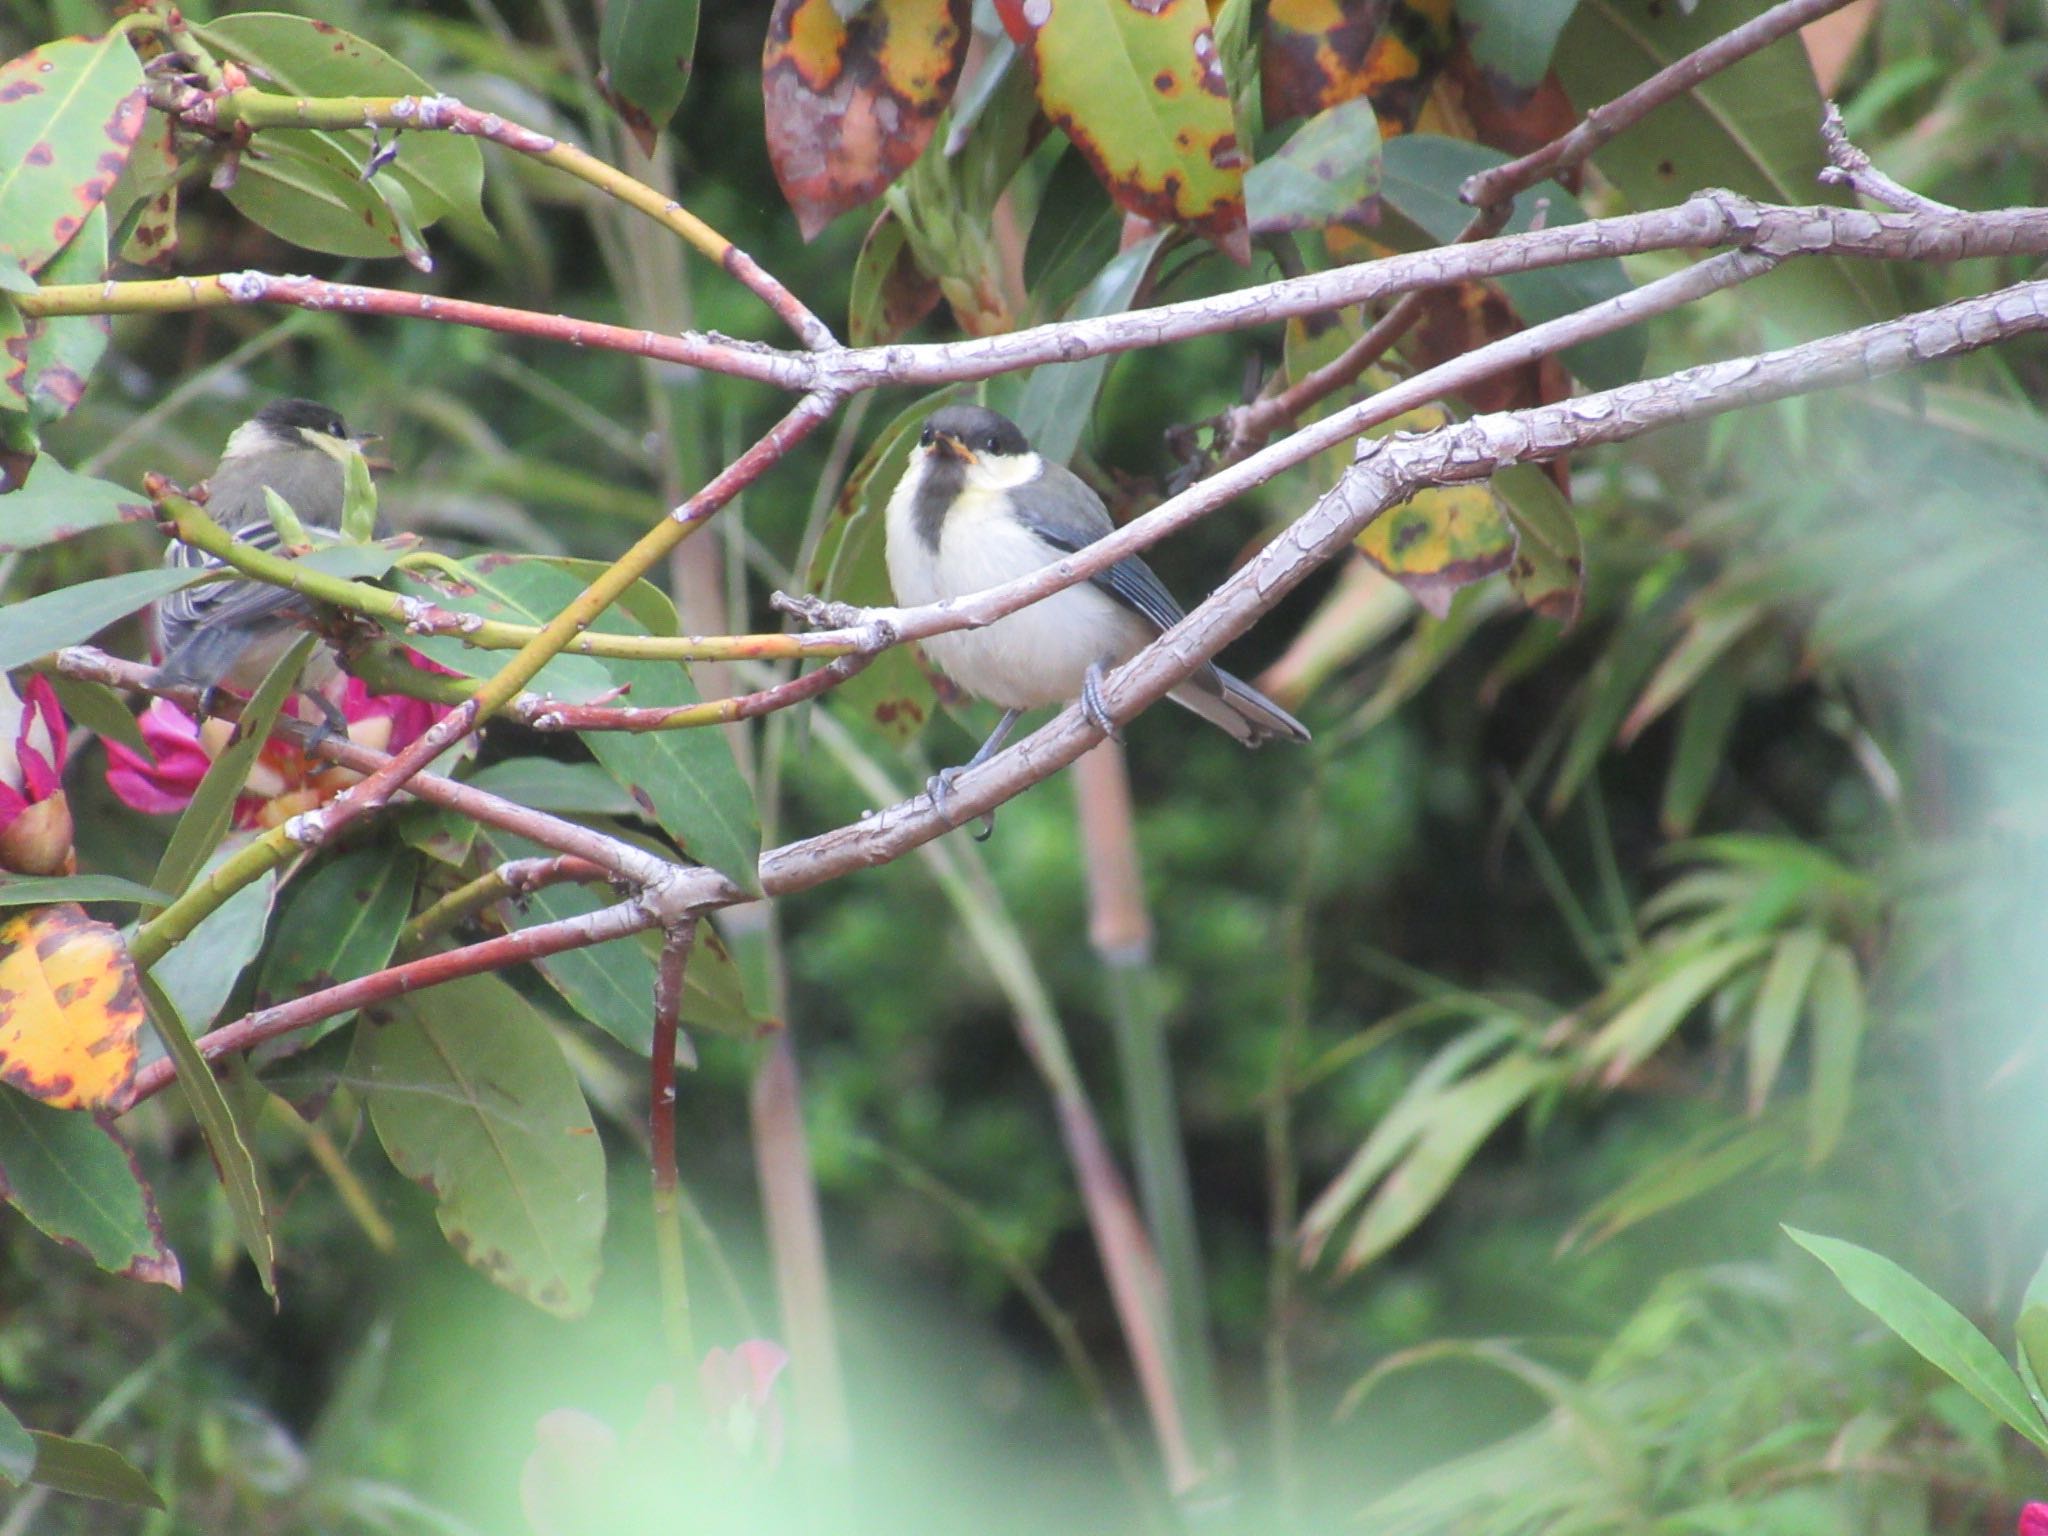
1237, 707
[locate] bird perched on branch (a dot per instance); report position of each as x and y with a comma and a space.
977, 507
233, 632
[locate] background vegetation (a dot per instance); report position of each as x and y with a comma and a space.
1571, 961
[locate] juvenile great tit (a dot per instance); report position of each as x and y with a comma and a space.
977, 507
233, 632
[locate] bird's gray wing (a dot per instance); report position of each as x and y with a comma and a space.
227, 602
1064, 512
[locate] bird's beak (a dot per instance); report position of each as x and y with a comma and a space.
953, 448
361, 438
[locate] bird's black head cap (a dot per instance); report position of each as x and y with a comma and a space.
975, 428
283, 416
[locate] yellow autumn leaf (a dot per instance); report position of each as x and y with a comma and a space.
69, 1009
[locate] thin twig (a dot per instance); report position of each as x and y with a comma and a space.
249, 109
621, 920
1604, 122
1850, 167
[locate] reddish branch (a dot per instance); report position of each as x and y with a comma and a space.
543, 939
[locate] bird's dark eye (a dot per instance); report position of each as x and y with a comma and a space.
992, 443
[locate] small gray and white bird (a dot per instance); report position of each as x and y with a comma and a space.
233, 632
976, 508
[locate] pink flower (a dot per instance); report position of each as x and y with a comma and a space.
739, 1386
284, 781
2034, 1520
35, 818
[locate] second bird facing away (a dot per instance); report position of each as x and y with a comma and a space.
976, 508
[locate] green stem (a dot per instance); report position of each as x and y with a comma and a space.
193, 526
175, 923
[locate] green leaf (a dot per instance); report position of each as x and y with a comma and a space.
442, 173
1836, 1002
566, 789
471, 1096
1936, 1330
64, 350
1609, 686
38, 891
1718, 1156
100, 710
1512, 40
1637, 1030
71, 614
890, 292
17, 1449
70, 112
1778, 1002
1548, 571
1328, 172
1704, 721
1059, 398
1399, 1129
90, 1471
225, 1137
76, 1180
1420, 177
686, 780
57, 504
1461, 1119
612, 984
340, 923
291, 533
1707, 638
892, 694
1140, 91
645, 48
205, 819
200, 972
1752, 127
359, 498
2031, 1332
304, 189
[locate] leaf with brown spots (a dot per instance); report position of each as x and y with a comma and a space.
1327, 173
647, 49
851, 101
891, 292
69, 1009
62, 352
1442, 538
472, 1097
1138, 86
73, 1176
1322, 52
70, 112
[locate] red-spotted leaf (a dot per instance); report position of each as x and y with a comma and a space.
70, 112
63, 351
646, 48
1322, 52
852, 100
1138, 86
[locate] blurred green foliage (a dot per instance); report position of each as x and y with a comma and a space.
1804, 698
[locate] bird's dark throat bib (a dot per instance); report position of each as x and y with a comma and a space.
937, 489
